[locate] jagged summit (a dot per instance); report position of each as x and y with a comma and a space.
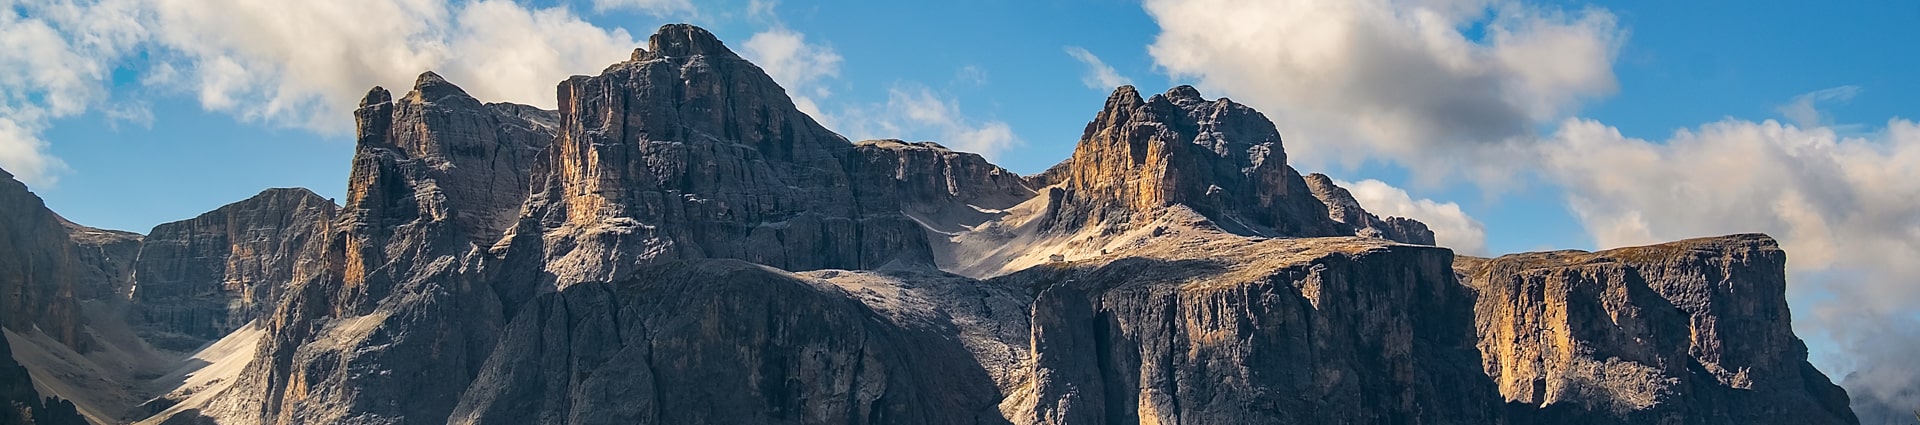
681, 40
1222, 159
430, 87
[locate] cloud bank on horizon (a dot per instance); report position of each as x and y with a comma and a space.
1452, 90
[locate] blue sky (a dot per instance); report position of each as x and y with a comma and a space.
1510, 125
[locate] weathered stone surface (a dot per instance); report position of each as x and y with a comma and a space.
1220, 158
1694, 332
400, 316
202, 278
1343, 208
20, 404
106, 259
941, 189
1332, 330
689, 151
723, 341
39, 272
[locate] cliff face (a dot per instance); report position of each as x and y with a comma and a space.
39, 270
689, 151
202, 278
1220, 158
1341, 330
400, 315
944, 190
1343, 208
723, 341
1695, 331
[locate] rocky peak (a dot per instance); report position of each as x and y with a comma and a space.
1220, 158
1343, 208
682, 40
693, 152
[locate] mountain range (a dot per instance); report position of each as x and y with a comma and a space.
677, 243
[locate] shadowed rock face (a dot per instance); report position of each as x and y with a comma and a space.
39, 270
1695, 331
1343, 208
689, 151
202, 278
1337, 330
400, 316
722, 341
1220, 158
940, 188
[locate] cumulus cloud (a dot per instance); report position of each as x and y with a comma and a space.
917, 112
1099, 76
289, 63
1451, 227
306, 63
1400, 80
798, 66
1842, 207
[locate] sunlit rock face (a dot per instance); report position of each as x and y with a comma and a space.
1695, 331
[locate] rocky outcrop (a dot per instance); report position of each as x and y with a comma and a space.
39, 269
723, 341
1337, 330
1694, 332
941, 189
1219, 158
21, 405
400, 315
1343, 208
106, 260
689, 151
202, 278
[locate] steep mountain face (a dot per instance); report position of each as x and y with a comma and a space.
723, 341
1343, 208
1695, 331
106, 259
1219, 158
943, 190
39, 271
201, 279
689, 151
400, 316
1219, 330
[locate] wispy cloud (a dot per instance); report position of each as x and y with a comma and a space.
1099, 75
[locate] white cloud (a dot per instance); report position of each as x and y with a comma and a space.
58, 55
1099, 76
797, 65
1395, 79
1843, 207
653, 7
1451, 227
917, 112
306, 63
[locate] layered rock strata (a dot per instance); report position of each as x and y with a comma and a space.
202, 278
1695, 332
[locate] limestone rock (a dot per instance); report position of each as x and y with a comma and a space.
1695, 332
1219, 158
1326, 330
722, 341
401, 314
39, 269
202, 278
941, 189
1343, 208
689, 151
